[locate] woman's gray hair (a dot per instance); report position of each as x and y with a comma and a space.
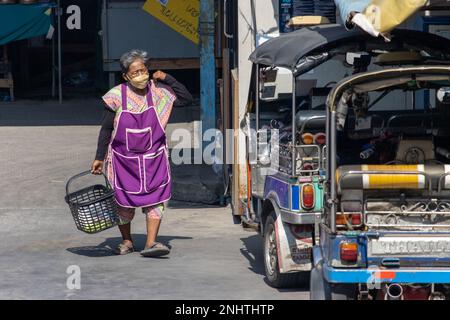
131, 56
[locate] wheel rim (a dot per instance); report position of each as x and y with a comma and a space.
271, 251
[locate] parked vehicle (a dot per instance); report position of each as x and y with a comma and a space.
385, 232
292, 77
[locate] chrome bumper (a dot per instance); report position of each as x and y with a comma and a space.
300, 217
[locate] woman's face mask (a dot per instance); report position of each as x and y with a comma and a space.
140, 81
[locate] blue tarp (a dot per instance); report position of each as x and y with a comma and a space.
23, 21
347, 6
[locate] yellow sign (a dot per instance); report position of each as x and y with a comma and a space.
180, 15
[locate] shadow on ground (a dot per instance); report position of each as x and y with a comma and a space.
74, 112
253, 252
180, 204
105, 249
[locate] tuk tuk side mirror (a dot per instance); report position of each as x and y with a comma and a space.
267, 85
443, 95
273, 83
269, 75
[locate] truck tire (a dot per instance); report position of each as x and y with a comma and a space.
271, 267
321, 289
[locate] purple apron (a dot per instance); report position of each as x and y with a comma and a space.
139, 157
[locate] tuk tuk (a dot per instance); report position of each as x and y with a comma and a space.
292, 76
385, 232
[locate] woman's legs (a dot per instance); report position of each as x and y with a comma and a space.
152, 230
126, 215
125, 230
153, 219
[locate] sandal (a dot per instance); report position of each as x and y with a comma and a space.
123, 249
155, 250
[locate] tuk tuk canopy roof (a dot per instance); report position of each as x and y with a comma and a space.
389, 78
288, 49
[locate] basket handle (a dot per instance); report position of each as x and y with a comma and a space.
82, 174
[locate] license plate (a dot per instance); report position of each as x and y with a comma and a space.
410, 246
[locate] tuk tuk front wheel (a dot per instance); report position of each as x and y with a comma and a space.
271, 263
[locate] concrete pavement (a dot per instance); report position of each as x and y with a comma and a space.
211, 257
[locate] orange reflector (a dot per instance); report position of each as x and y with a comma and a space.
349, 252
308, 138
385, 275
307, 196
341, 219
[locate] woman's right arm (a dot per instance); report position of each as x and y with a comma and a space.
104, 139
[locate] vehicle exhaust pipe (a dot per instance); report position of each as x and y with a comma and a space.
394, 292
437, 296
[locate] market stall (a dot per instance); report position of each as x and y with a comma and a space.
20, 20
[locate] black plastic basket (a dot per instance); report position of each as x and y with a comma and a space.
93, 208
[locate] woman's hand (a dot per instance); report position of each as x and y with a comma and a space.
97, 167
159, 75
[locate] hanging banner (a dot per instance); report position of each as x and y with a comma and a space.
377, 16
18, 22
180, 15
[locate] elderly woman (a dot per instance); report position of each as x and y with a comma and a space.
132, 146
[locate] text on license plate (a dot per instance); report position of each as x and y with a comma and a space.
410, 245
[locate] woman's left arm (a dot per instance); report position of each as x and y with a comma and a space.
184, 97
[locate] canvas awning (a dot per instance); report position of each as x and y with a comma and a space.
20, 21
24, 21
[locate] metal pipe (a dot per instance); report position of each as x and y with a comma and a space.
302, 129
53, 58
256, 148
294, 126
328, 134
394, 292
225, 21
59, 53
254, 20
332, 173
257, 99
207, 67
328, 157
437, 296
104, 33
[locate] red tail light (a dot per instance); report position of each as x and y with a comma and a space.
356, 219
320, 139
307, 196
308, 166
349, 252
